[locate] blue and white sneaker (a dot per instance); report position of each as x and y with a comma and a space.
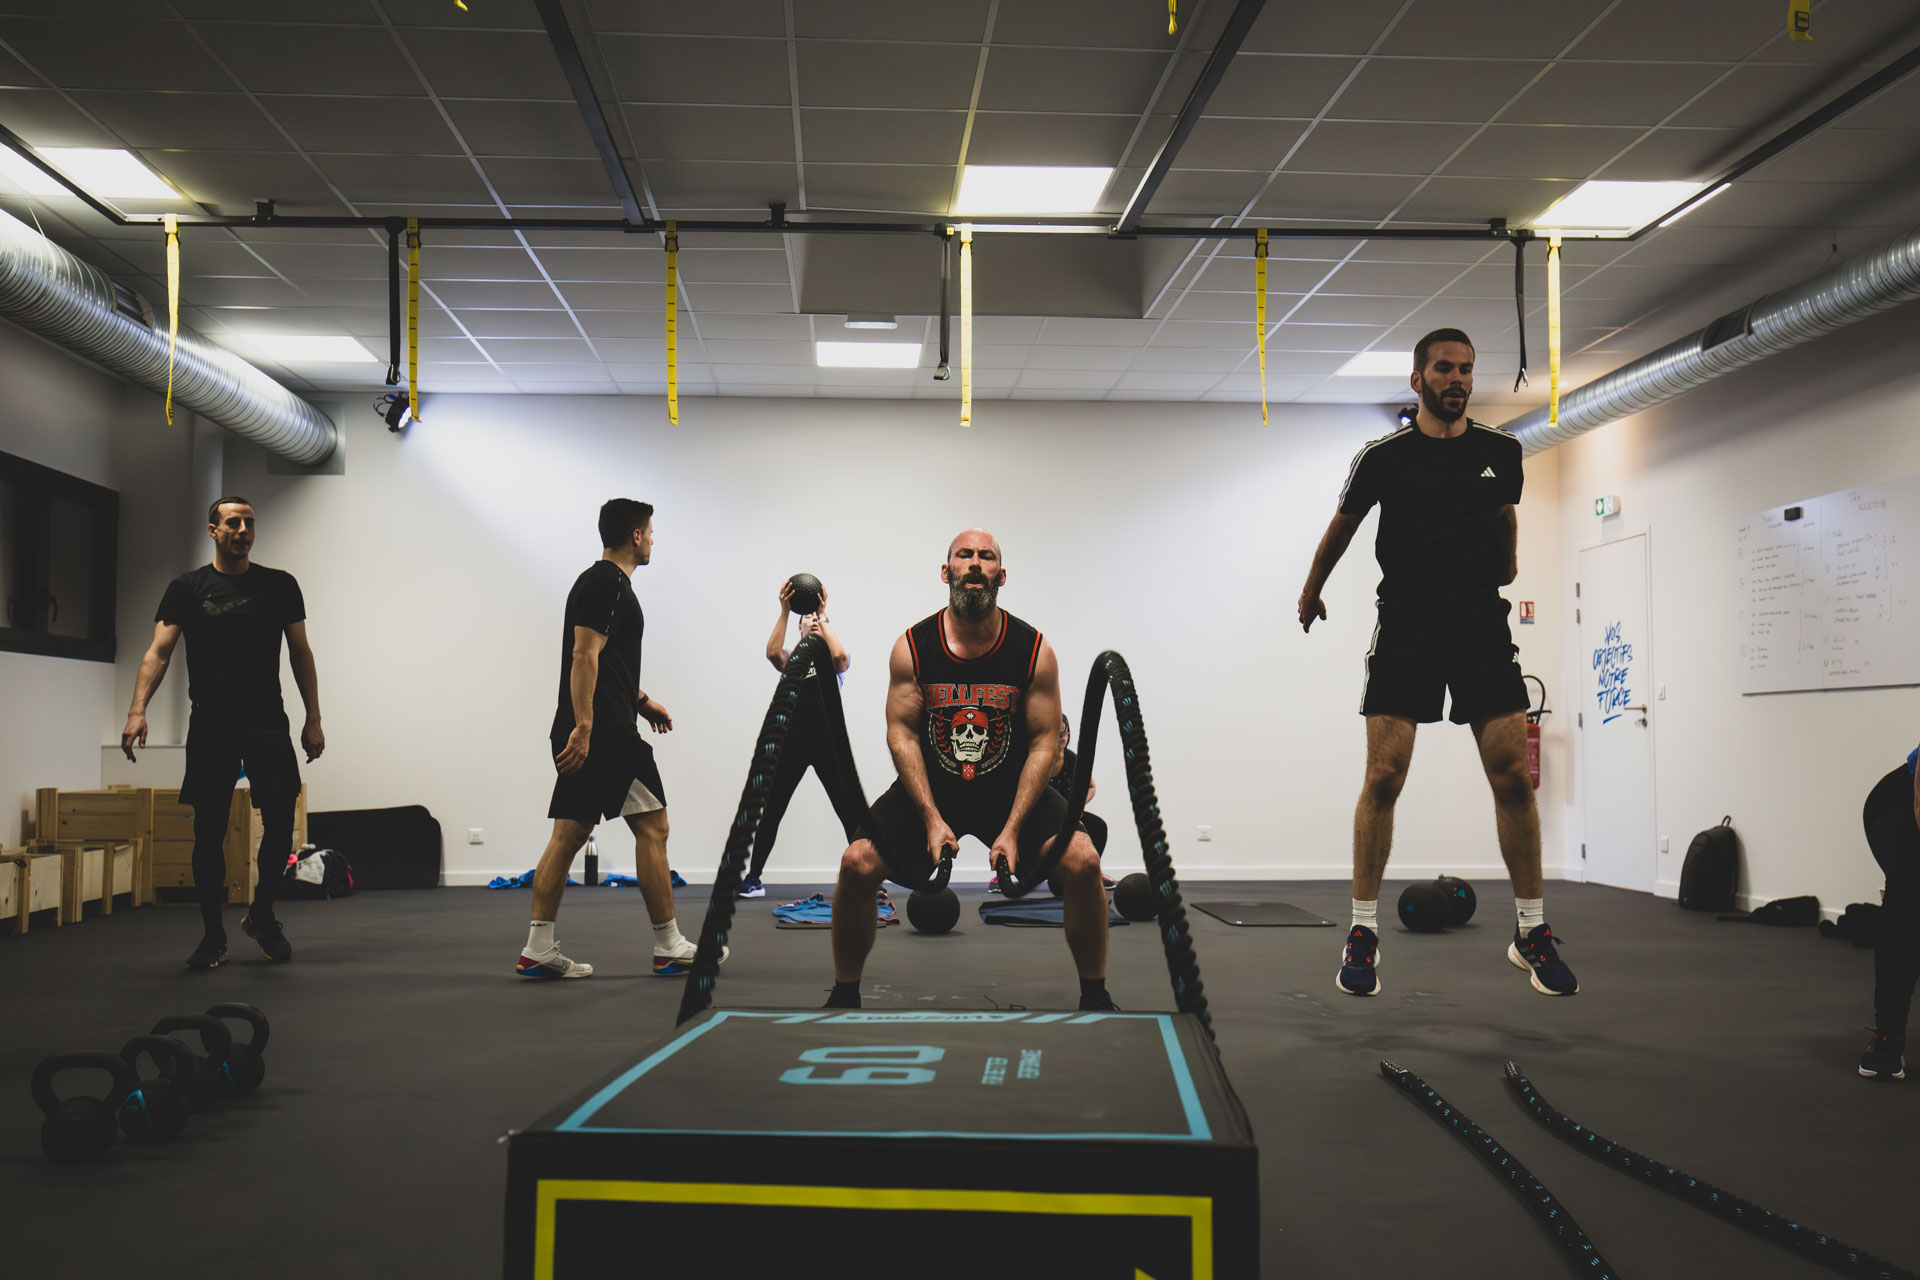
1538, 953
751, 888
674, 878
1362, 953
673, 964
551, 965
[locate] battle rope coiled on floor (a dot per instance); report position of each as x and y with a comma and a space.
1815, 1245
1585, 1257
809, 656
1110, 672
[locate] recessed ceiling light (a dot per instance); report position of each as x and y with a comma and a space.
867, 355
1016, 190
871, 320
1377, 364
106, 173
19, 172
1610, 208
289, 348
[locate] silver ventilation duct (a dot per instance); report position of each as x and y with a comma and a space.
1875, 281
47, 290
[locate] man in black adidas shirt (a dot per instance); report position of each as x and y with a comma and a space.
1446, 487
973, 723
233, 613
605, 767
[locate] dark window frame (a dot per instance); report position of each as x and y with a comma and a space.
27, 541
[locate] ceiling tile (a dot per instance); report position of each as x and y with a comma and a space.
953, 20
239, 292
1229, 143
1080, 23
1472, 200
735, 266
1192, 359
544, 358
672, 17
1675, 154
1191, 382
387, 126
1284, 275
622, 324
1234, 308
1326, 337
1313, 197
1349, 27
1349, 309
522, 128
1095, 333
522, 181
232, 181
754, 373
1273, 86
46, 119
1713, 31
1032, 379
1541, 151
1176, 333
1840, 154
1079, 80
81, 53
881, 137
1206, 191
463, 294
741, 297
716, 326
366, 261
1063, 357
387, 179
711, 133
686, 70
695, 184
487, 64
749, 351
1466, 90
1027, 138
284, 57
1352, 146
441, 262
196, 121
1527, 29
1610, 93
883, 188
908, 76
614, 262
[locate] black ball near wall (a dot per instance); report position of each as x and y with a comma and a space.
1133, 897
1423, 908
935, 912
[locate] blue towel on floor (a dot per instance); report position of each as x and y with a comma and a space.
522, 881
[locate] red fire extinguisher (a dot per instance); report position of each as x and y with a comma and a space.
1533, 732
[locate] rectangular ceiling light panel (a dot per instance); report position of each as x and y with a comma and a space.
1613, 208
107, 174
995, 190
867, 355
289, 348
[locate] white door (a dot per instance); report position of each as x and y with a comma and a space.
1613, 718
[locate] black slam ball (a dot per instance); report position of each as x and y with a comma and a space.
1423, 908
935, 912
1460, 899
1133, 897
806, 593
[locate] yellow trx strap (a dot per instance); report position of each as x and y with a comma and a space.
1553, 330
1172, 24
173, 302
1260, 311
413, 315
673, 322
1800, 20
966, 324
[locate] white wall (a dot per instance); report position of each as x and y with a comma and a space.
66, 414
435, 571
1793, 768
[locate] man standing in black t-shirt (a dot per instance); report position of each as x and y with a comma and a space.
233, 613
605, 767
973, 723
1448, 540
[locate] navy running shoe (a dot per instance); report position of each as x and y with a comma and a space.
210, 954
1885, 1058
751, 888
271, 937
1362, 953
1538, 953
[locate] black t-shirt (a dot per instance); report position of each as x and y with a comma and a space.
232, 623
1442, 540
973, 726
602, 600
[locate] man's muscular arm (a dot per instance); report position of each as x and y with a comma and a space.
904, 708
1043, 737
1333, 545
153, 669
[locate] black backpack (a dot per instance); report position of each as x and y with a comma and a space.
1711, 871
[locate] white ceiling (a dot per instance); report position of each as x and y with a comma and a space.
1361, 114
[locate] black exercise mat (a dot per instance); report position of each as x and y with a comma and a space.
1268, 915
1036, 912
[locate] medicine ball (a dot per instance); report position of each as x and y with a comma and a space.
1423, 908
935, 912
806, 593
1460, 899
1133, 897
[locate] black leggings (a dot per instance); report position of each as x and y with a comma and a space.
1894, 837
800, 752
210, 857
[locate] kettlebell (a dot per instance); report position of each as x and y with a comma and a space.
246, 1068
1460, 899
80, 1128
159, 1106
210, 1072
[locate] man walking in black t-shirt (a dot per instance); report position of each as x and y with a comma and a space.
973, 723
605, 767
1448, 539
233, 613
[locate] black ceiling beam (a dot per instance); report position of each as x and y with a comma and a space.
1229, 44
567, 50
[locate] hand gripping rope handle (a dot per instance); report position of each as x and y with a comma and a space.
1545, 1205
810, 655
1183, 967
1815, 1245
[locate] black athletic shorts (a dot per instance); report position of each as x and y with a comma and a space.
899, 832
219, 745
1419, 655
600, 788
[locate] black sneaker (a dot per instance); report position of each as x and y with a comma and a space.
1357, 961
210, 954
1102, 1003
1885, 1058
272, 939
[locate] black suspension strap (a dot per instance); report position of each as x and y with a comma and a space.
1815, 1245
1110, 672
1546, 1206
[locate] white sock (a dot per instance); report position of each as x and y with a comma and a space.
539, 938
1367, 913
667, 939
1532, 913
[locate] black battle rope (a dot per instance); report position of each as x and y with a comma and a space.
1815, 1245
1580, 1250
1183, 967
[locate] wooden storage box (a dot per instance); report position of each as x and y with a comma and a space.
160, 830
105, 869
41, 884
9, 895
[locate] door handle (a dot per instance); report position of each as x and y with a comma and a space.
1633, 708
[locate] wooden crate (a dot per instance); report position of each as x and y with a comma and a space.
104, 869
41, 885
160, 828
9, 894
117, 815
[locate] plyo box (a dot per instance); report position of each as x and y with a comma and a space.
881, 1143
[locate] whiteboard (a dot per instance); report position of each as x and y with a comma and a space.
1827, 601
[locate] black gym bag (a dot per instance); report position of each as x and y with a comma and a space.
389, 848
1711, 871
1804, 910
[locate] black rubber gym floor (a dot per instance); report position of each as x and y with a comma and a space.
403, 1047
